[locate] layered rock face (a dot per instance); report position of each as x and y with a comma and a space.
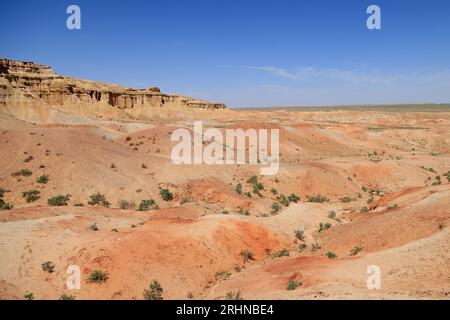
33, 91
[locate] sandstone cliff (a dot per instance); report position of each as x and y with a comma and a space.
35, 92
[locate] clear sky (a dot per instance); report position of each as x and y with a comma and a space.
243, 53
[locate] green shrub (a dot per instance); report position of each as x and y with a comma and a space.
93, 227
318, 198
248, 255
98, 198
166, 195
126, 205
29, 296
98, 276
231, 295
42, 179
253, 180
355, 250
283, 200
5, 206
225, 211
331, 255
447, 174
293, 198
346, 199
392, 206
146, 205
238, 188
224, 275
300, 234
281, 253
274, 191
48, 266
324, 226
302, 247
276, 207
31, 196
332, 215
23, 173
58, 200
243, 212
292, 285
154, 292
364, 209
66, 297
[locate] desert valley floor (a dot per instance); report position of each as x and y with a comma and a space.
373, 185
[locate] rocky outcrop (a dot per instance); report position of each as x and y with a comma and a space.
27, 88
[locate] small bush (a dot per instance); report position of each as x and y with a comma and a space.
315, 247
238, 188
98, 198
274, 191
166, 195
247, 255
355, 250
66, 297
48, 266
224, 275
364, 209
292, 285
98, 276
29, 296
126, 205
31, 196
447, 174
300, 234
184, 200
5, 206
282, 253
283, 200
302, 247
318, 198
225, 211
392, 206
346, 199
154, 292
146, 205
324, 226
42, 179
243, 212
23, 173
58, 201
253, 180
331, 255
231, 295
93, 227
276, 207
293, 198
331, 215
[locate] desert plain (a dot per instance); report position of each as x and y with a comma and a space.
87, 180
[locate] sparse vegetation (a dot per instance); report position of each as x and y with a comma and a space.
4, 205
292, 285
248, 255
31, 196
48, 266
293, 198
283, 200
447, 174
364, 209
225, 211
346, 199
223, 275
331, 215
324, 226
93, 227
98, 276
231, 295
58, 201
315, 247
243, 212
29, 296
392, 206
302, 247
148, 204
300, 235
318, 198
281, 253
126, 205
98, 199
276, 207
23, 173
238, 188
154, 292
355, 250
184, 200
66, 297
42, 179
166, 195
273, 191
331, 255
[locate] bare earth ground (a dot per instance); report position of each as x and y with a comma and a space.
189, 244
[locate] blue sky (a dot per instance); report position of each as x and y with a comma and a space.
244, 53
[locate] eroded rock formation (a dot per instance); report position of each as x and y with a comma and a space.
29, 90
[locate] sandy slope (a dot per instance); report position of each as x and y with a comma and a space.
185, 243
